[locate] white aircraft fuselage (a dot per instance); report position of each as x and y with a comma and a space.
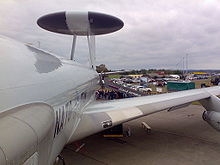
29, 75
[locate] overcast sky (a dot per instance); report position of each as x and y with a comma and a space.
156, 34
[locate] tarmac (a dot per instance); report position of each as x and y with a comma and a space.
178, 137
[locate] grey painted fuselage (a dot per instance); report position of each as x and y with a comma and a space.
29, 75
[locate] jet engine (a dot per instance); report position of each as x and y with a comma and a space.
213, 118
212, 115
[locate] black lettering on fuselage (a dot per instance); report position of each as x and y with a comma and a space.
66, 111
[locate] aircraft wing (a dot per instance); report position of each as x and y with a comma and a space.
103, 115
114, 72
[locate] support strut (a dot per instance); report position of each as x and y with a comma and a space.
91, 44
73, 48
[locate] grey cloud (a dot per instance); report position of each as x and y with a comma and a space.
157, 34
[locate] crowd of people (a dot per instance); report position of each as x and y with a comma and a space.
108, 94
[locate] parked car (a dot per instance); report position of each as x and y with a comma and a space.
161, 83
215, 80
146, 89
143, 89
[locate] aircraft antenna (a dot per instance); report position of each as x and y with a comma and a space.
81, 24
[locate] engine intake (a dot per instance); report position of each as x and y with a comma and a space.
213, 118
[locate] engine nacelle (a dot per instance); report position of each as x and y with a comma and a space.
213, 118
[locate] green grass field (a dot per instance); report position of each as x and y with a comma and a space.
199, 82
114, 76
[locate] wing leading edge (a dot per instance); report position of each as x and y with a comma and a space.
102, 115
